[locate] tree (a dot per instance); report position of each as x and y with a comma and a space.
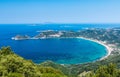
105, 71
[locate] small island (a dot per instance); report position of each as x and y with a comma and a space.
21, 37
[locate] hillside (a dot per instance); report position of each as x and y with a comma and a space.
12, 65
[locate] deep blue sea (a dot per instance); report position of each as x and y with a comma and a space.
63, 51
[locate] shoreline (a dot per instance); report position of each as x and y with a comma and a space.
108, 48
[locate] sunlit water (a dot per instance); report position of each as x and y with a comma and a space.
63, 51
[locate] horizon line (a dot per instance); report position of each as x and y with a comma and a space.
54, 23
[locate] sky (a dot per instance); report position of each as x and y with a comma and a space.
59, 11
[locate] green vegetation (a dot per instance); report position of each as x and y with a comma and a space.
11, 65
103, 71
111, 36
56, 66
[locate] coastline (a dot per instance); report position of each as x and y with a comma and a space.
108, 48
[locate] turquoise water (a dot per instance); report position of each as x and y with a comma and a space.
63, 51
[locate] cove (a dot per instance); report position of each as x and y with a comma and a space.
59, 50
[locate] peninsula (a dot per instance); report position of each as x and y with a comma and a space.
106, 37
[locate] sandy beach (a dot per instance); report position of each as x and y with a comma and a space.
108, 48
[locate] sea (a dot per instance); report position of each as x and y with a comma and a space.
62, 51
